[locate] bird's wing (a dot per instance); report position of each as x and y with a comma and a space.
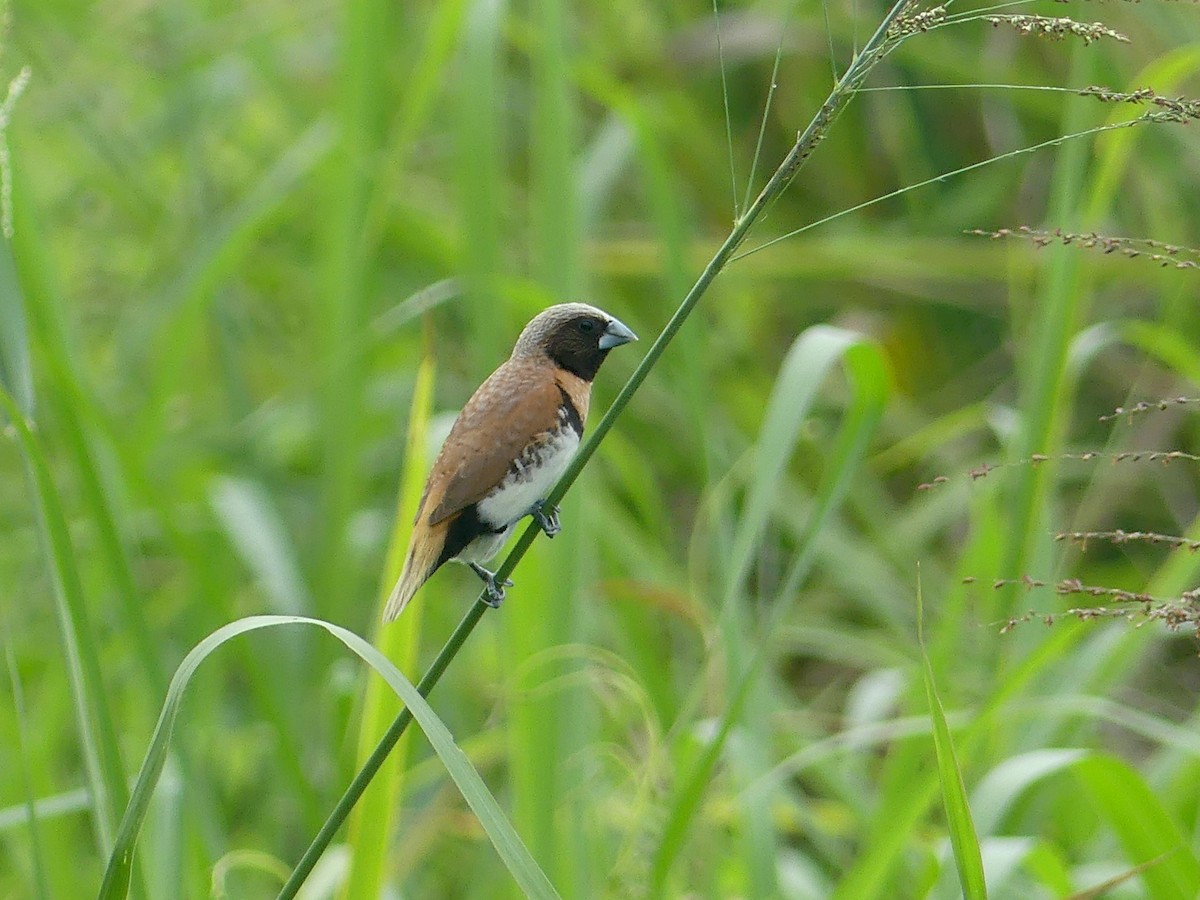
517, 403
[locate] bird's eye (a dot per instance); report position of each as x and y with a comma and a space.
587, 326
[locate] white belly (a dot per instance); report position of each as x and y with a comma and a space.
530, 479
484, 547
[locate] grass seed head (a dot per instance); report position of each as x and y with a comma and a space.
1057, 28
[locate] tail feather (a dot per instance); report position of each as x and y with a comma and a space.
421, 562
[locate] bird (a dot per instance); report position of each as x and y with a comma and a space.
508, 447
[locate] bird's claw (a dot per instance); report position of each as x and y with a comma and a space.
492, 588
547, 521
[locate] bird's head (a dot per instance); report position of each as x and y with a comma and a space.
575, 336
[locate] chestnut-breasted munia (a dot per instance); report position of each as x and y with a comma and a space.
508, 447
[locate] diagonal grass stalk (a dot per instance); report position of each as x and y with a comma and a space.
1020, 151
874, 51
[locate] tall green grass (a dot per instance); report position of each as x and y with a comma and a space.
215, 323
372, 826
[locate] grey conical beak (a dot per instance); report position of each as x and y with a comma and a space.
615, 335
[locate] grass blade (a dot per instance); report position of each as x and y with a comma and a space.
1153, 842
1042, 371
344, 272
1144, 828
804, 371
508, 844
33, 825
97, 734
737, 210
371, 824
479, 130
1105, 888
67, 803
1004, 785
16, 375
963, 838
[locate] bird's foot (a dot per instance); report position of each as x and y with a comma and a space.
547, 521
493, 588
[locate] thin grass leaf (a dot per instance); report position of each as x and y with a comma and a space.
373, 819
1116, 152
32, 822
506, 841
898, 814
424, 82
101, 752
1061, 140
345, 269
963, 839
479, 166
555, 180
83, 426
737, 209
1106, 887
1143, 826
16, 374
67, 803
674, 229
1042, 368
1123, 799
79, 419
803, 373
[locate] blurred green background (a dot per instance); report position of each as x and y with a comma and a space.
241, 227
